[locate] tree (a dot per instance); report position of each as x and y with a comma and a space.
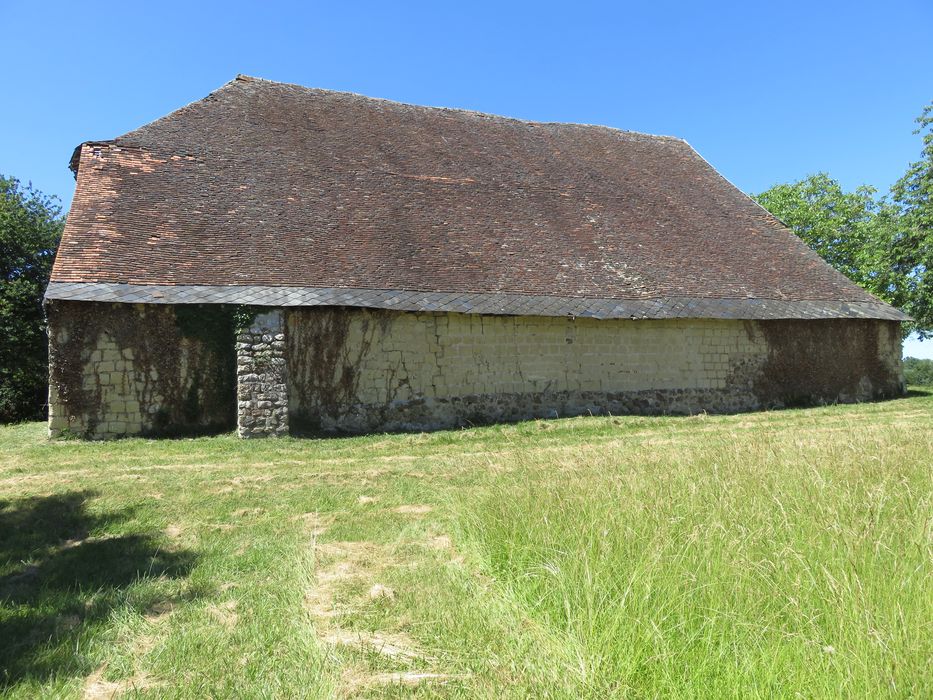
917, 371
883, 244
912, 238
848, 229
30, 227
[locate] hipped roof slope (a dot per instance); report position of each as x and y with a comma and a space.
270, 193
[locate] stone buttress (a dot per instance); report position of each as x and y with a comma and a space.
262, 377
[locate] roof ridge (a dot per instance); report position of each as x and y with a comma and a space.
243, 78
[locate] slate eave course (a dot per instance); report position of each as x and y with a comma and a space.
498, 304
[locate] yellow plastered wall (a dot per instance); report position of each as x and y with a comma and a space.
403, 356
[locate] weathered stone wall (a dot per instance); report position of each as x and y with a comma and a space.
262, 377
123, 369
129, 369
358, 370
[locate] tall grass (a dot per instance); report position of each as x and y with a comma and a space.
757, 564
782, 554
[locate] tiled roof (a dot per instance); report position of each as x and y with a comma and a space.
300, 195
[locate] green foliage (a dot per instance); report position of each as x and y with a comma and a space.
30, 227
843, 227
912, 239
244, 315
883, 244
918, 372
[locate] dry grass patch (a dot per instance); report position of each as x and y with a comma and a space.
413, 509
347, 581
225, 613
354, 683
96, 688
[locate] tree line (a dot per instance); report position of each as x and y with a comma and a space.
918, 372
883, 243
30, 227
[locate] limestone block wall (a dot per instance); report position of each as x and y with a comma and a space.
361, 370
129, 369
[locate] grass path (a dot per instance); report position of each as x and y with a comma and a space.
761, 555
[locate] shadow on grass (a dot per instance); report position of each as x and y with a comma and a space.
58, 583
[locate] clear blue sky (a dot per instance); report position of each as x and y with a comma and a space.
767, 92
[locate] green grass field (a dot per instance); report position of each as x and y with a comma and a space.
785, 554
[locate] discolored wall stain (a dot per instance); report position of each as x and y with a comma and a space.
129, 369
828, 361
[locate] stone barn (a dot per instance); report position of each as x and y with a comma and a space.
284, 259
